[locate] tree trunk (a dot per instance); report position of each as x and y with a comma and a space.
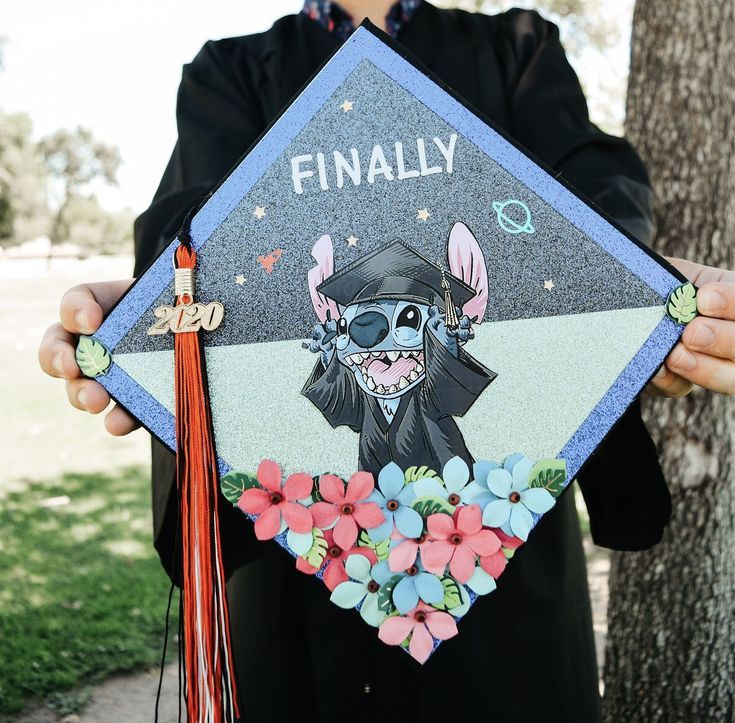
671, 647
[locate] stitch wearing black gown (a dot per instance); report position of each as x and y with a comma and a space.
525, 653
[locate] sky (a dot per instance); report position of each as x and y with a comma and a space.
114, 66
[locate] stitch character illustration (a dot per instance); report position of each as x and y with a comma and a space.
392, 364
269, 261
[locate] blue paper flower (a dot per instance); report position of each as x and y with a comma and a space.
513, 501
415, 584
362, 588
457, 489
394, 498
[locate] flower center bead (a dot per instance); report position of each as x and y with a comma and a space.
421, 539
335, 551
276, 497
347, 509
456, 538
412, 571
420, 616
453, 499
515, 497
392, 505
373, 586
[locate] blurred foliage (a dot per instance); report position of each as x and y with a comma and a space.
74, 160
82, 593
46, 187
23, 213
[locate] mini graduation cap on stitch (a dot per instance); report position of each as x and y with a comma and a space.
405, 440
394, 271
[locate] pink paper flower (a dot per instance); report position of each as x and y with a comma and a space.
494, 564
334, 562
406, 550
346, 505
456, 541
274, 502
421, 624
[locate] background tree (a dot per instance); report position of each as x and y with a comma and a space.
671, 634
74, 160
23, 211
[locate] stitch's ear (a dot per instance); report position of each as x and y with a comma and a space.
323, 254
467, 262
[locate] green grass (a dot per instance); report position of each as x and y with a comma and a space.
82, 593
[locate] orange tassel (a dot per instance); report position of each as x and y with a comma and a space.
209, 686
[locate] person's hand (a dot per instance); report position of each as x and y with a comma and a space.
82, 310
705, 356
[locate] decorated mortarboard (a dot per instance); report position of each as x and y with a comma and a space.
414, 337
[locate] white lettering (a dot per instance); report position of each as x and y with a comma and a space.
425, 170
448, 153
378, 165
341, 166
400, 164
297, 175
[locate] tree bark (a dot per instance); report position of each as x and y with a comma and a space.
671, 643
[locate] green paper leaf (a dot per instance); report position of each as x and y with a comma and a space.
452, 594
416, 473
92, 357
380, 548
234, 483
682, 304
549, 474
385, 595
429, 505
315, 556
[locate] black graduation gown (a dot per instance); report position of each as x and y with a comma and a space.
423, 430
525, 652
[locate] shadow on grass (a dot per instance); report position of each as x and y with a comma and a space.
82, 593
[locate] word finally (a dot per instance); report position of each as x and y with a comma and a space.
437, 158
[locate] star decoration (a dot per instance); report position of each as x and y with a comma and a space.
346, 106
549, 285
352, 240
259, 212
240, 279
423, 214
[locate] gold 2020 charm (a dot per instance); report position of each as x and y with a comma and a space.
187, 317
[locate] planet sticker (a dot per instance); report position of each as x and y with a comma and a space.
519, 221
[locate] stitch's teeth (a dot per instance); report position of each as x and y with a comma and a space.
406, 354
419, 368
414, 353
357, 358
413, 376
370, 384
392, 388
380, 389
402, 383
393, 355
349, 361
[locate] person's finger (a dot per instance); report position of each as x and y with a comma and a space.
668, 384
118, 422
56, 353
717, 299
700, 274
87, 395
83, 307
715, 337
717, 375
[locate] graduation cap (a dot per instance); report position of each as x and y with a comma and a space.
574, 358
395, 271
